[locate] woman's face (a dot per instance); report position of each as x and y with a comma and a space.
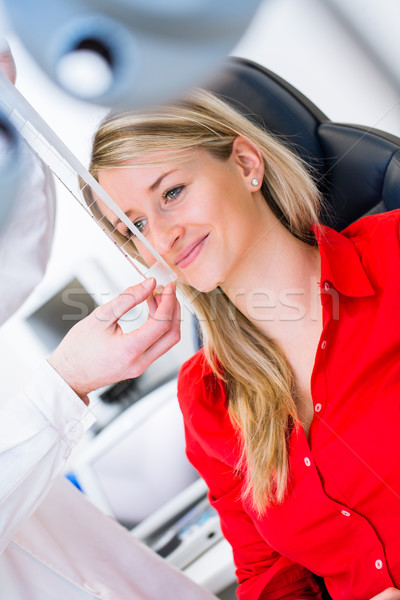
201, 215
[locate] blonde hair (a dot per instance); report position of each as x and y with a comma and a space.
259, 381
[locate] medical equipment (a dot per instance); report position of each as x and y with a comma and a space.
73, 175
129, 53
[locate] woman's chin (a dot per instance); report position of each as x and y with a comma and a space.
200, 286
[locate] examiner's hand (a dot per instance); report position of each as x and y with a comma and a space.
388, 594
95, 352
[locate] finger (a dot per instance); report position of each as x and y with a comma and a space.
140, 340
152, 304
158, 348
167, 340
166, 303
156, 299
112, 311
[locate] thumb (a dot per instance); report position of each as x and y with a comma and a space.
112, 311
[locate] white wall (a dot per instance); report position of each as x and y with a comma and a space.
303, 42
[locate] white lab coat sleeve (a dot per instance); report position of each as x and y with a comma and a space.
39, 426
26, 238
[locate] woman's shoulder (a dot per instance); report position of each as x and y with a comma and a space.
196, 379
382, 227
197, 366
376, 239
201, 394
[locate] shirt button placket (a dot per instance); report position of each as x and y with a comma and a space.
319, 389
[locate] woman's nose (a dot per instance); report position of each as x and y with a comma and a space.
165, 235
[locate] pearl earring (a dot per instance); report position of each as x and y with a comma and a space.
254, 181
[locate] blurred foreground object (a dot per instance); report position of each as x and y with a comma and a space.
10, 144
10, 166
26, 234
129, 53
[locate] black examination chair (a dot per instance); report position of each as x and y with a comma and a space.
358, 168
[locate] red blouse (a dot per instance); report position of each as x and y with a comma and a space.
341, 517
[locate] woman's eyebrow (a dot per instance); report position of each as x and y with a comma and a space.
155, 185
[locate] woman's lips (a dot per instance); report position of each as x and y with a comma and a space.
187, 256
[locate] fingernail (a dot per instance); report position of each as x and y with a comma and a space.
148, 283
159, 289
172, 286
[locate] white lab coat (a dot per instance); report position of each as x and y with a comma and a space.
67, 549
54, 544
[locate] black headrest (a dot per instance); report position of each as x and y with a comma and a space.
357, 168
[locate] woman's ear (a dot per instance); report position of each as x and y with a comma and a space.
250, 162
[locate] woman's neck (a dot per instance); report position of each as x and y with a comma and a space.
276, 284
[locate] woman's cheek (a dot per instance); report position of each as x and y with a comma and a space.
145, 254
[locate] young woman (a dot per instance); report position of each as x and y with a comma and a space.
291, 410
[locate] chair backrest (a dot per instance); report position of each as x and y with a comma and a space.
358, 168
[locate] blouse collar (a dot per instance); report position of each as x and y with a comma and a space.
340, 262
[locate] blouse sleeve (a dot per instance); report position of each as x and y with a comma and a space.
262, 573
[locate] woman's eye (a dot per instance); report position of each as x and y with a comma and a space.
126, 232
173, 193
140, 224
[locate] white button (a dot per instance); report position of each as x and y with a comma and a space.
326, 286
307, 461
346, 513
74, 429
317, 407
378, 564
323, 345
